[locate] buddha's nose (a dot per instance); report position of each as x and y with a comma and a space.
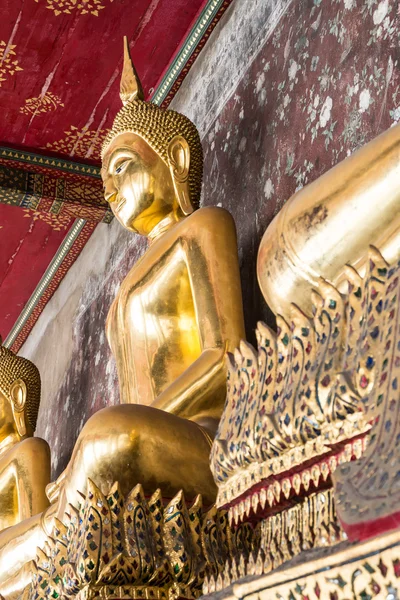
110, 193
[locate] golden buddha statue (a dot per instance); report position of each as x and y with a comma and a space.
22, 484
24, 461
177, 313
330, 223
179, 309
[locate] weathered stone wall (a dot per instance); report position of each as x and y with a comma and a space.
282, 91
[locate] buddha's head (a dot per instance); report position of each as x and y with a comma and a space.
19, 395
152, 160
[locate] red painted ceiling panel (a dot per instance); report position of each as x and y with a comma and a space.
28, 243
74, 57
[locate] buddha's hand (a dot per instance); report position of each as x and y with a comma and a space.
54, 488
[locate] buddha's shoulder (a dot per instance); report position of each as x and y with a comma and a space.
211, 218
33, 446
35, 442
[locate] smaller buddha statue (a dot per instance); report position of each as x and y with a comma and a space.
24, 470
24, 459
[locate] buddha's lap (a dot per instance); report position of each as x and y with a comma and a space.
138, 444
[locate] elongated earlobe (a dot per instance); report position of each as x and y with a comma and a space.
179, 162
18, 395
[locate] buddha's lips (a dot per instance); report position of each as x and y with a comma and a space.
121, 203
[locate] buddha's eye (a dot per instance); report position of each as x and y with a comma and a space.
120, 167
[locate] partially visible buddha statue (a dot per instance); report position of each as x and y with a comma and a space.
24, 459
24, 466
332, 222
176, 314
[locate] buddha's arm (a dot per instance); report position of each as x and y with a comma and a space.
18, 546
9, 506
24, 474
213, 268
200, 391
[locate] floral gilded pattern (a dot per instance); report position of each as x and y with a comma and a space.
83, 7
56, 222
323, 84
9, 65
42, 104
373, 576
80, 142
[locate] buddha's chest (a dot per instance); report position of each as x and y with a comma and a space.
152, 326
163, 296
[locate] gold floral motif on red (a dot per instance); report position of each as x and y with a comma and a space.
83, 7
85, 143
9, 65
42, 104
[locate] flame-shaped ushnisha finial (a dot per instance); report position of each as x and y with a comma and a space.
130, 88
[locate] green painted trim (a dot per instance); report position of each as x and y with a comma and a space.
49, 162
189, 46
45, 281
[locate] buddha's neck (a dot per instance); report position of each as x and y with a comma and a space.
162, 226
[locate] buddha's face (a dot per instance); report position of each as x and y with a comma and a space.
138, 184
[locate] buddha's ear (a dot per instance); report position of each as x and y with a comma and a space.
18, 393
179, 162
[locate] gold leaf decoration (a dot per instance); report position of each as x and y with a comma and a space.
56, 222
309, 392
115, 546
9, 65
68, 7
41, 104
362, 572
85, 142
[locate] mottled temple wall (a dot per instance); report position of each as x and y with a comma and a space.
281, 92
325, 83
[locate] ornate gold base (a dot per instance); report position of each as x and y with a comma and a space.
279, 538
362, 572
115, 547
121, 592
